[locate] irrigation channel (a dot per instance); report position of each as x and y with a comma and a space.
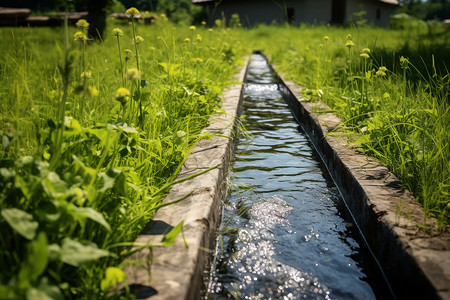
285, 232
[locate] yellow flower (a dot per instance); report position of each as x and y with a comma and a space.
117, 32
86, 74
366, 50
192, 27
380, 73
349, 36
122, 95
133, 74
132, 11
364, 55
79, 36
82, 23
326, 38
139, 39
203, 23
93, 91
198, 37
349, 44
187, 40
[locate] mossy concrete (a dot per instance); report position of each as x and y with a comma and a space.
176, 272
413, 252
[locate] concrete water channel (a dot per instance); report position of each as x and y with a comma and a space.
306, 216
284, 234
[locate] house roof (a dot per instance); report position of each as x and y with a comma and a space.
392, 2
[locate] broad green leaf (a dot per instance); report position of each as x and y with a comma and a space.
128, 129
92, 214
35, 262
75, 253
170, 237
54, 186
37, 256
22, 222
106, 182
71, 123
54, 252
7, 292
7, 173
44, 291
48, 212
113, 276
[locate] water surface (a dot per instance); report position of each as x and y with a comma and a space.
283, 235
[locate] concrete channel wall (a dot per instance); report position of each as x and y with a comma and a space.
416, 261
176, 272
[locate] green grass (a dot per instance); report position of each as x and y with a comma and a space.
85, 166
400, 112
92, 141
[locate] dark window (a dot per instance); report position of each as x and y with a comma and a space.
378, 14
337, 11
291, 15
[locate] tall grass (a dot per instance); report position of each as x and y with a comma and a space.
77, 188
392, 93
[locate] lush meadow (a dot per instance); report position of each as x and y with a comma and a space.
94, 134
391, 89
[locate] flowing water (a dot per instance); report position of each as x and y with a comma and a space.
284, 234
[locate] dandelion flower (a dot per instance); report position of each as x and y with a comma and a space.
139, 39
192, 27
326, 38
86, 74
117, 32
203, 23
122, 95
349, 44
127, 51
80, 37
133, 74
93, 91
381, 72
82, 23
164, 17
187, 40
132, 11
366, 50
364, 55
210, 30
349, 36
198, 38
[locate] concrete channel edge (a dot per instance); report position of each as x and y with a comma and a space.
176, 272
